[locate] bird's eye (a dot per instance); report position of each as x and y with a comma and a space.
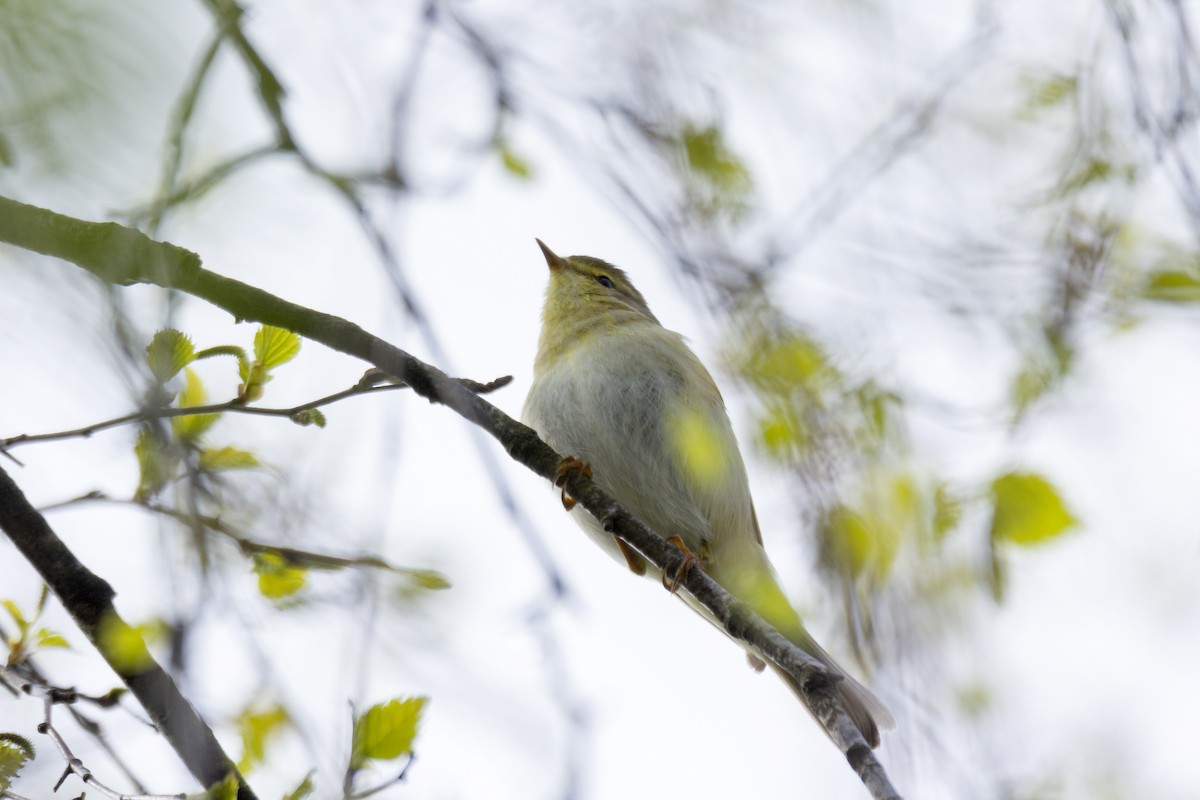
604, 280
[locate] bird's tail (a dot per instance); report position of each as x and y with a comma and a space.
867, 711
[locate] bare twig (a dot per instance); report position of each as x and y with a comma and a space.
236, 406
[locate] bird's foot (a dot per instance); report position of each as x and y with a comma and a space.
690, 560
568, 467
635, 560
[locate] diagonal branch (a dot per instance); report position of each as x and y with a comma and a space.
106, 250
89, 600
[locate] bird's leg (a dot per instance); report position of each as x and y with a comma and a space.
566, 468
690, 560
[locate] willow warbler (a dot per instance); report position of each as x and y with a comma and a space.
614, 389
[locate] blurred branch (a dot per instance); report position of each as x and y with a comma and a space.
293, 556
172, 267
88, 598
236, 406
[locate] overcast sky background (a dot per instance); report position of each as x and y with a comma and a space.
1088, 665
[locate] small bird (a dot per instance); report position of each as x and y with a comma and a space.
628, 402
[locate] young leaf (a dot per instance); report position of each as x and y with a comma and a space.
15, 751
1027, 510
47, 638
190, 428
122, 645
274, 346
255, 728
277, 579
154, 466
168, 352
1172, 286
302, 791
387, 730
223, 458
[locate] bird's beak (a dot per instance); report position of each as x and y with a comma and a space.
553, 261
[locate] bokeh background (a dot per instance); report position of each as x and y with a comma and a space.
941, 257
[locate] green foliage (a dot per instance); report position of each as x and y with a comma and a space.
1047, 91
191, 427
302, 791
124, 646
225, 789
15, 752
255, 728
154, 467
226, 458
278, 579
514, 164
272, 348
387, 730
1027, 510
168, 352
1173, 286
718, 181
29, 636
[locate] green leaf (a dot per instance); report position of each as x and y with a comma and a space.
1042, 93
274, 346
1172, 286
226, 789
387, 730
277, 579
15, 751
255, 728
1027, 510
191, 428
224, 458
309, 416
17, 615
303, 790
47, 638
154, 466
168, 352
709, 157
122, 646
516, 166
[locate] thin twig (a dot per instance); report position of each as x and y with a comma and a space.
235, 406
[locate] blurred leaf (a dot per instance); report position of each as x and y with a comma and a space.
302, 791
48, 638
781, 432
122, 646
18, 616
709, 157
1027, 510
191, 428
1048, 91
514, 164
309, 416
224, 458
947, 511
15, 752
1172, 286
277, 579
429, 579
226, 789
274, 346
168, 352
387, 730
700, 446
154, 466
255, 727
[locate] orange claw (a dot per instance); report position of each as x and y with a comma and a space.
690, 560
566, 468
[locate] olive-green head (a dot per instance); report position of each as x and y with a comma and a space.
586, 296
